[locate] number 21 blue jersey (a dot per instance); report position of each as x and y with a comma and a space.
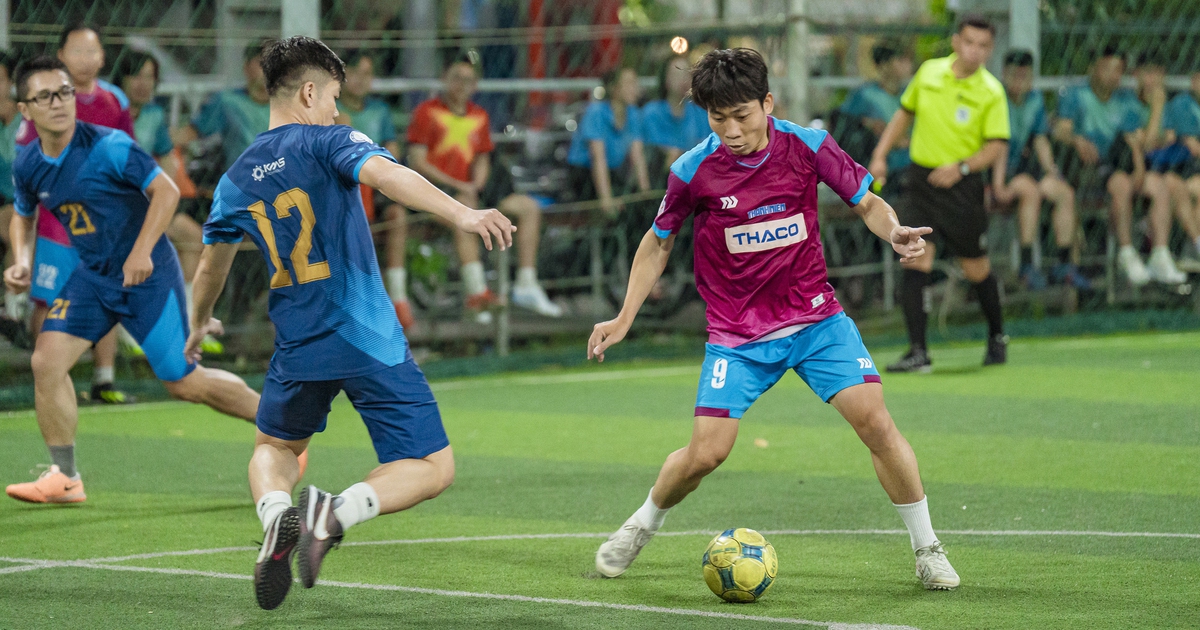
295, 192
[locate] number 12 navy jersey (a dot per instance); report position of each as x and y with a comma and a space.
295, 192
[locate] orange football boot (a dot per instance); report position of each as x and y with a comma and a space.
51, 487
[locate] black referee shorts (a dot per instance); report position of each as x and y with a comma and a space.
956, 214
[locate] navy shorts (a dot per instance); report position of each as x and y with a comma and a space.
395, 403
829, 356
154, 312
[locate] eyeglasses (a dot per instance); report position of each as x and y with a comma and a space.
45, 98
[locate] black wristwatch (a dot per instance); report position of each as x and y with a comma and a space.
964, 168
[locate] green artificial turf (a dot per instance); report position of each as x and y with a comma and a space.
1074, 435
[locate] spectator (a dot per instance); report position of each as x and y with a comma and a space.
238, 115
1182, 122
673, 123
373, 117
874, 103
609, 143
137, 74
1101, 122
100, 103
1030, 175
449, 142
11, 321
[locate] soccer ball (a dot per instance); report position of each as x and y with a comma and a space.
740, 565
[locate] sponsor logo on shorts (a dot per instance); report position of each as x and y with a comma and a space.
47, 276
260, 172
757, 237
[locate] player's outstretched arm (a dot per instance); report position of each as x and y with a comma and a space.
207, 284
164, 198
407, 188
20, 230
648, 265
881, 219
895, 129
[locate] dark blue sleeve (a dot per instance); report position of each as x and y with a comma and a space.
25, 203
1041, 126
220, 227
346, 150
129, 162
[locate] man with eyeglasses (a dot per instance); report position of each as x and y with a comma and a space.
115, 202
100, 103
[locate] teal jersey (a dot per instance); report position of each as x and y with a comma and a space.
8, 154
151, 130
872, 101
375, 120
237, 117
1100, 122
1026, 120
1182, 115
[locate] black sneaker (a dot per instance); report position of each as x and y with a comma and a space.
273, 571
997, 350
914, 361
105, 393
320, 531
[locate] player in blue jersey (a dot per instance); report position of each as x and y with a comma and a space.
114, 202
295, 193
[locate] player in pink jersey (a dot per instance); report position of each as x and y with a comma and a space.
752, 186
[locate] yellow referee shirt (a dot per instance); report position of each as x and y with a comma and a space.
954, 117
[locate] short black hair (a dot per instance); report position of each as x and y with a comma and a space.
285, 61
729, 77
28, 68
469, 56
975, 20
354, 55
129, 63
1019, 57
887, 50
1152, 58
74, 27
1111, 50
666, 67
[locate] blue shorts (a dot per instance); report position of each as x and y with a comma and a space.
395, 403
52, 266
829, 356
154, 312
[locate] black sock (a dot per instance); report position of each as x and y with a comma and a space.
988, 294
1064, 255
1026, 255
912, 300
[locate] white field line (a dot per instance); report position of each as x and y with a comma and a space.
511, 598
598, 535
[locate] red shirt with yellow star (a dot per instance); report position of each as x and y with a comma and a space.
453, 141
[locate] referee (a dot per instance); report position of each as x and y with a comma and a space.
961, 114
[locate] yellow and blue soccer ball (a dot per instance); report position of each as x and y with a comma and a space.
740, 565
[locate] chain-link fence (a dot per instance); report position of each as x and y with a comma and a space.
540, 65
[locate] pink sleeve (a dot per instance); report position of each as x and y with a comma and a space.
676, 206
125, 123
841, 173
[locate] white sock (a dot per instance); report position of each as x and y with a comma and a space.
472, 275
527, 277
1161, 251
187, 295
650, 515
102, 375
359, 503
916, 519
271, 504
397, 284
1127, 248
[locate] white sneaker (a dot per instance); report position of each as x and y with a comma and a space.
934, 570
534, 298
1133, 267
1188, 264
483, 318
1162, 268
620, 550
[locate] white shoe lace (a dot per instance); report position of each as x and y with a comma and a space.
627, 543
934, 558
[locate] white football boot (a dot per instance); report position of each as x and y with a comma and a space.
1162, 268
934, 570
1132, 265
622, 548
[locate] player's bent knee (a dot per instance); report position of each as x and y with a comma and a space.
189, 388
47, 365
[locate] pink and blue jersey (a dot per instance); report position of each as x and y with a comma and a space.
759, 262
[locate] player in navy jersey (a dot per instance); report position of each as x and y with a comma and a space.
752, 186
295, 193
114, 202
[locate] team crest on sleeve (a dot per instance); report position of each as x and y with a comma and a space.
358, 136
